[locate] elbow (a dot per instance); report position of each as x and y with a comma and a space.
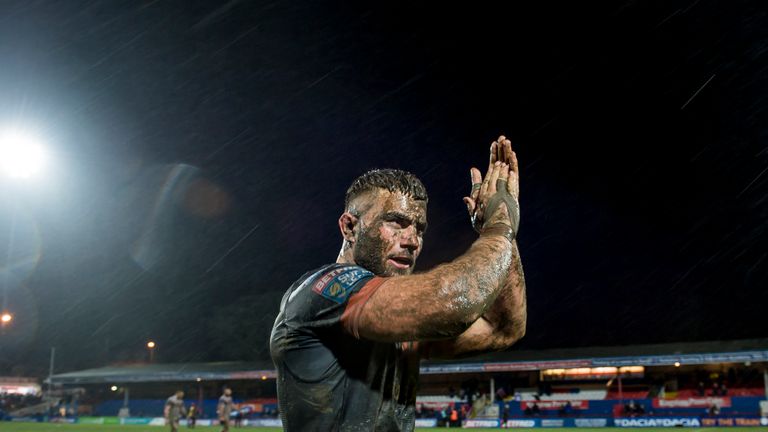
449, 326
516, 333
510, 335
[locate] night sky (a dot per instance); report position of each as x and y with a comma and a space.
198, 155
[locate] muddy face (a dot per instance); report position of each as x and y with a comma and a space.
390, 233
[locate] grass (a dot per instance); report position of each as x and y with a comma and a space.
50, 427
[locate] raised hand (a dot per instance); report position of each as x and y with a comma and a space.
499, 186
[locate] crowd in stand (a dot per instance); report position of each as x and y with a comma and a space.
633, 409
12, 402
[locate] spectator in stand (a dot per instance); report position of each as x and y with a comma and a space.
630, 409
501, 394
715, 389
443, 418
454, 419
464, 411
702, 389
536, 410
723, 390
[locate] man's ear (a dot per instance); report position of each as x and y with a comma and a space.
347, 224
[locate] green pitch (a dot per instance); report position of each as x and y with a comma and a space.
43, 427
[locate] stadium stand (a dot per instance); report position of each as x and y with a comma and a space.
663, 381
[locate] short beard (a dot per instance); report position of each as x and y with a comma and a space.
368, 253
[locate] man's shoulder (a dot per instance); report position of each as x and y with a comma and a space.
332, 268
335, 282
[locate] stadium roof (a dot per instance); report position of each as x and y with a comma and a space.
169, 372
753, 350
689, 353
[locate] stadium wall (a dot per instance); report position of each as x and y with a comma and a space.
154, 407
653, 407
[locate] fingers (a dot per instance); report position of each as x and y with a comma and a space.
503, 181
477, 179
475, 176
487, 180
497, 168
470, 203
504, 172
494, 153
513, 186
500, 156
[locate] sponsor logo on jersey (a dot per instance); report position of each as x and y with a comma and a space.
337, 284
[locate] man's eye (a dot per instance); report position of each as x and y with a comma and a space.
398, 223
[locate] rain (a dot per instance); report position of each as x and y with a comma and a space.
197, 156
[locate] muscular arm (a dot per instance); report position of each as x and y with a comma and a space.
502, 324
441, 303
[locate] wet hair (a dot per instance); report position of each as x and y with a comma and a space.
392, 180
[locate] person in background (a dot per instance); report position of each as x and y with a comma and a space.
224, 409
238, 418
454, 419
174, 410
192, 416
504, 415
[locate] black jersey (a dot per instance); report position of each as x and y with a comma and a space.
329, 380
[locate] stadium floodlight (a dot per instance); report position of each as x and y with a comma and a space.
151, 345
5, 318
677, 364
113, 388
21, 155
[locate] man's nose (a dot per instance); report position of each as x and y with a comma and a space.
409, 238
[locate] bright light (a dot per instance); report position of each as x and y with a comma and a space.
6, 318
677, 364
113, 388
150, 344
21, 155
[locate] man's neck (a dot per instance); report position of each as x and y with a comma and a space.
346, 255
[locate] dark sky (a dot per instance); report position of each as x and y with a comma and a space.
199, 154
